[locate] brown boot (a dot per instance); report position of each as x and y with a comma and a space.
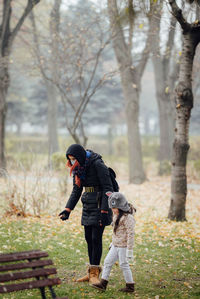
94, 272
129, 288
101, 286
84, 278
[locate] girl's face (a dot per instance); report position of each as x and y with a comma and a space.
115, 211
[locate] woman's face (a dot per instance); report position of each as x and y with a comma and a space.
115, 211
72, 159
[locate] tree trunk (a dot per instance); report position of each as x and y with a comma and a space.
164, 119
2, 127
184, 104
19, 127
53, 145
172, 82
51, 89
4, 84
130, 90
6, 40
164, 110
136, 172
147, 129
52, 118
161, 63
110, 140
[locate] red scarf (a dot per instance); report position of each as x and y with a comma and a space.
72, 167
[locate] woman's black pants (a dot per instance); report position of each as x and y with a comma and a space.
93, 237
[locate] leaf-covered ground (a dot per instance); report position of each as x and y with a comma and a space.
167, 254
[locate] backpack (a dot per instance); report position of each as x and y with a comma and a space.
113, 179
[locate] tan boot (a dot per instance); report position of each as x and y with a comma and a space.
84, 278
94, 272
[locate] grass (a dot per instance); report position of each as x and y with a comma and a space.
167, 256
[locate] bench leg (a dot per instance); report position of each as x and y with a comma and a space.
42, 290
52, 292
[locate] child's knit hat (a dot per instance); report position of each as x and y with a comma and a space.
117, 200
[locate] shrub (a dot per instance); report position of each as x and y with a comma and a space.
25, 161
150, 147
164, 168
58, 161
194, 153
32, 193
121, 146
38, 144
197, 166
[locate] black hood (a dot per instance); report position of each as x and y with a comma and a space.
77, 151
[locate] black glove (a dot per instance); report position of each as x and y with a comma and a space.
64, 215
104, 219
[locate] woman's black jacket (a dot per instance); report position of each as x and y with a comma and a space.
97, 175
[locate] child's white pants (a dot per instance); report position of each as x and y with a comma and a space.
117, 254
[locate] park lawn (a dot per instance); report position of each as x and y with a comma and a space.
166, 254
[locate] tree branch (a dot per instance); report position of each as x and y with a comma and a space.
29, 7
116, 29
145, 54
156, 12
169, 45
5, 26
171, 35
85, 96
78, 117
177, 13
131, 24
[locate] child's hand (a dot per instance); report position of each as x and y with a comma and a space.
129, 255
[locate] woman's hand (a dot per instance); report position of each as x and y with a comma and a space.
64, 215
104, 218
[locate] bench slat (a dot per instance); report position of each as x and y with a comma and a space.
29, 285
25, 251
17, 256
27, 274
34, 264
20, 252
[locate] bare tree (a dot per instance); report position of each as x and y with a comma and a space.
184, 104
78, 72
7, 36
50, 65
82, 71
52, 93
165, 71
131, 80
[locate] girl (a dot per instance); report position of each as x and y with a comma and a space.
122, 241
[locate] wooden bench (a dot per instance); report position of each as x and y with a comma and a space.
16, 265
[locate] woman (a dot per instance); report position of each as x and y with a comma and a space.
90, 172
